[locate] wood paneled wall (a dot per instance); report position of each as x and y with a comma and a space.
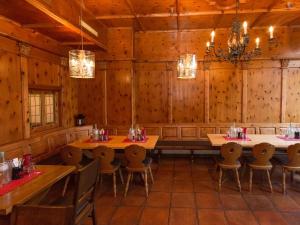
143, 88
21, 67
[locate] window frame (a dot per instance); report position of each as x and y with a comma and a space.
57, 106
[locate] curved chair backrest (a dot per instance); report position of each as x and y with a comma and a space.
106, 156
293, 152
231, 152
135, 156
71, 156
262, 153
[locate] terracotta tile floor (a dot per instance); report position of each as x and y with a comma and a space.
186, 194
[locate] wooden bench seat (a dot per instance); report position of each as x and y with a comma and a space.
182, 145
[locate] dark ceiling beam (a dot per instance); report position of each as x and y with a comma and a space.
177, 13
218, 20
42, 25
202, 13
77, 43
260, 17
132, 10
69, 20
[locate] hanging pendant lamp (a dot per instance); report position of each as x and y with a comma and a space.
81, 62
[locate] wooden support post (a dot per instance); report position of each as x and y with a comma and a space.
24, 51
170, 76
284, 73
133, 97
244, 67
206, 94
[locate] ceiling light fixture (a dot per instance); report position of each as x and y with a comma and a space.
81, 62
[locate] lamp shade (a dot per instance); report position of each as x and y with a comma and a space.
81, 64
187, 66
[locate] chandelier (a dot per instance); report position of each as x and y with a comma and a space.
237, 43
187, 66
81, 62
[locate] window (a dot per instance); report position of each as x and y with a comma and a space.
43, 109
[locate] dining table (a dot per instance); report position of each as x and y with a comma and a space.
117, 142
278, 141
21, 194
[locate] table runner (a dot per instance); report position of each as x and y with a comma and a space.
17, 183
236, 139
288, 139
94, 141
127, 140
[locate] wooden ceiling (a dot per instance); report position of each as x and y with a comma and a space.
60, 19
193, 14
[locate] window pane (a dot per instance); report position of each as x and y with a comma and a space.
35, 109
49, 108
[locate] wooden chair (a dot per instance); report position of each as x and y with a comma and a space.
138, 163
70, 156
292, 165
108, 164
38, 214
82, 196
262, 154
85, 192
230, 152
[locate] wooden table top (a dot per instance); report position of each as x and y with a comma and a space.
51, 174
218, 140
116, 142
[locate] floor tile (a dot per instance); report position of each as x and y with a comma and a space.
183, 216
132, 200
154, 216
126, 216
292, 218
258, 202
104, 214
159, 199
230, 201
183, 200
211, 217
240, 217
183, 186
285, 203
204, 186
108, 200
208, 201
162, 185
269, 218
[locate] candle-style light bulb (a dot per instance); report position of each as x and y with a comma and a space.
207, 44
271, 31
212, 35
257, 40
245, 26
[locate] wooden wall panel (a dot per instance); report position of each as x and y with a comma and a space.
151, 91
188, 99
119, 93
91, 98
119, 45
10, 98
264, 91
225, 94
293, 95
69, 106
43, 73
